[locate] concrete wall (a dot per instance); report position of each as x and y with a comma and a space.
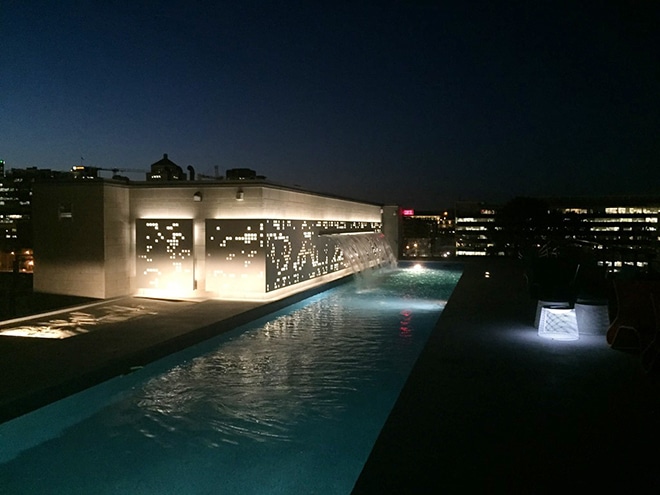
93, 253
258, 201
201, 201
118, 248
69, 251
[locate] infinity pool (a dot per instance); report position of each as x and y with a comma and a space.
292, 403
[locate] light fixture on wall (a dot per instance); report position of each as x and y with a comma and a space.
240, 194
197, 196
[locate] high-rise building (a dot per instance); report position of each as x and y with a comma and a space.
475, 229
617, 232
16, 215
427, 234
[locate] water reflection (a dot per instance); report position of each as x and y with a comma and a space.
303, 366
293, 405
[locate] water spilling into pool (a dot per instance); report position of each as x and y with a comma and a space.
290, 404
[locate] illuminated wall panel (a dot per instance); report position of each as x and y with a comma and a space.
235, 256
262, 255
296, 253
164, 254
102, 238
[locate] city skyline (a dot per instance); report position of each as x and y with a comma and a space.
419, 104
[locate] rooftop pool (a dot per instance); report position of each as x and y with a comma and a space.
291, 403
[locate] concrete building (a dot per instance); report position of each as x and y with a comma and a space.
427, 234
617, 232
474, 229
247, 239
16, 215
165, 170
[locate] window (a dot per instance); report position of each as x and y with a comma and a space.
65, 211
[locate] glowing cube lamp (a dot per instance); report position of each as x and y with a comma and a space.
558, 324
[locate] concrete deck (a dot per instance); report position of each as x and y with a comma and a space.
489, 406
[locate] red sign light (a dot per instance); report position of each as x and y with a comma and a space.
408, 213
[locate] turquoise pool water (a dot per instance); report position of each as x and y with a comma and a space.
290, 404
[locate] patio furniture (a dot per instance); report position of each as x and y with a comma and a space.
558, 324
553, 279
651, 355
592, 317
634, 326
540, 304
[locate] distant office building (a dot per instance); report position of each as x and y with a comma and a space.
622, 232
16, 239
475, 229
427, 234
227, 239
617, 232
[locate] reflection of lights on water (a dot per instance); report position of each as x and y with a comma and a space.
417, 267
405, 329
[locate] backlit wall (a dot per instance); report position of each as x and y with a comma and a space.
222, 239
257, 256
164, 249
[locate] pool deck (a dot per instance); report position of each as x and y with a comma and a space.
488, 408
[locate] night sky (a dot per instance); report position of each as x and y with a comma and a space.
417, 103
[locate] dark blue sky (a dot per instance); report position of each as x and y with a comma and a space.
413, 102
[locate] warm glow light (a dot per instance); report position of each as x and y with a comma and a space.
417, 266
65, 324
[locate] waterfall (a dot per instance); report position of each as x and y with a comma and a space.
365, 250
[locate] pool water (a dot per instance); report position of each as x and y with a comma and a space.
289, 404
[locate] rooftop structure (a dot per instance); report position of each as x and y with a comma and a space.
166, 170
243, 239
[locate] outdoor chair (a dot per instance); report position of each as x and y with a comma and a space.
551, 282
553, 279
634, 327
651, 355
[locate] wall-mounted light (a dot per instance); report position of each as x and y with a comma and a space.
197, 196
240, 194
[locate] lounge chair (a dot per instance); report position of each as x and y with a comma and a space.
634, 326
651, 354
